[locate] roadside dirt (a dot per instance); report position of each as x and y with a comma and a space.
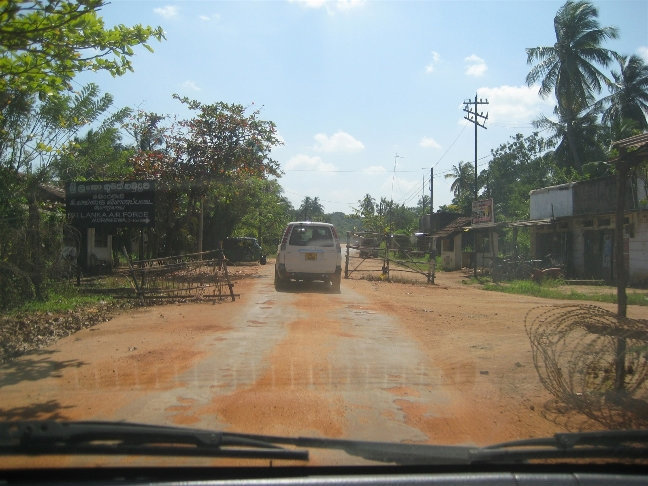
481, 372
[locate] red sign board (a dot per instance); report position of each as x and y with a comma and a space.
482, 211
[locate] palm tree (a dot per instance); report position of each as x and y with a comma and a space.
464, 179
587, 138
628, 99
569, 67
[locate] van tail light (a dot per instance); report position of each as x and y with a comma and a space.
336, 238
284, 239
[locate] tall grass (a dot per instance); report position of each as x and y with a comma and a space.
61, 299
553, 289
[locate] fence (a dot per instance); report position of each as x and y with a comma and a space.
592, 362
193, 276
389, 257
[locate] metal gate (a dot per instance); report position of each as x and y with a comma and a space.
193, 276
389, 257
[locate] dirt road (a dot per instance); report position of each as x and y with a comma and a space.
443, 363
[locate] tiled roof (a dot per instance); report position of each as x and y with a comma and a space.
638, 141
454, 227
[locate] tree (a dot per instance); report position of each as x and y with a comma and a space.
517, 167
203, 165
464, 177
266, 213
569, 67
41, 133
222, 141
423, 206
628, 98
366, 207
463, 186
99, 155
38, 132
586, 143
45, 43
310, 210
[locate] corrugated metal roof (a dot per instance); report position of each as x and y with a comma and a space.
533, 222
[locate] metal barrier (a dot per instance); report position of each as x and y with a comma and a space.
193, 276
388, 256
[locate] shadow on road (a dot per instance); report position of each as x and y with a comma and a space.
34, 366
307, 288
50, 410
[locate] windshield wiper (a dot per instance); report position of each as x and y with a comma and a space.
120, 438
605, 444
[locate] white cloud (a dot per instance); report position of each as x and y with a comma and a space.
168, 11
513, 104
436, 57
209, 18
643, 53
188, 84
475, 66
429, 142
308, 163
338, 142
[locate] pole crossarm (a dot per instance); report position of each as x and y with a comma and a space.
473, 116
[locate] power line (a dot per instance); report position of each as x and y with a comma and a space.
450, 147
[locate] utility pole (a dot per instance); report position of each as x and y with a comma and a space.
431, 193
479, 120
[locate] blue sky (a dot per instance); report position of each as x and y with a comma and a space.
366, 95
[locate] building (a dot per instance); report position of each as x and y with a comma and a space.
574, 223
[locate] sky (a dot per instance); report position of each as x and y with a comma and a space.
367, 95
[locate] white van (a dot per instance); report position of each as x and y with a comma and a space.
309, 251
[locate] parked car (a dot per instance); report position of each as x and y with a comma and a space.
309, 251
243, 249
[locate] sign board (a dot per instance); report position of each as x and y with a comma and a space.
482, 212
114, 204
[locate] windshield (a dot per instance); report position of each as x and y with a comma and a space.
406, 222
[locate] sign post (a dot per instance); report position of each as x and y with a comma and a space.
110, 204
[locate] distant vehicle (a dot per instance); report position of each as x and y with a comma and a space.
309, 251
368, 246
243, 249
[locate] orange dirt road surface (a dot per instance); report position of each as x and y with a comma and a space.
446, 363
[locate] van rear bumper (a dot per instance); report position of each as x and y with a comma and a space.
281, 270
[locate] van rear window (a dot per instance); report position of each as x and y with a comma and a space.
311, 236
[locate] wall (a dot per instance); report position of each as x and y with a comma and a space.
552, 202
451, 259
98, 254
639, 249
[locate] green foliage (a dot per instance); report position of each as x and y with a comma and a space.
35, 133
310, 210
99, 155
215, 164
517, 167
463, 186
265, 213
44, 44
628, 98
552, 289
62, 298
570, 69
